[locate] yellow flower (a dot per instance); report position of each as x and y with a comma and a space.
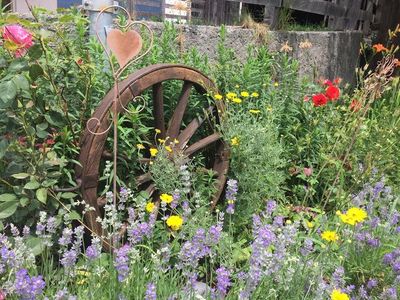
255, 95
254, 111
158, 131
237, 100
175, 222
235, 141
338, 295
150, 207
168, 148
330, 236
218, 97
353, 216
237, 86
140, 146
276, 84
310, 224
161, 141
166, 198
153, 151
176, 141
288, 222
231, 95
244, 94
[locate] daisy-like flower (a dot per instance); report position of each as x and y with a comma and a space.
153, 151
330, 236
166, 198
175, 222
218, 97
150, 206
235, 141
244, 94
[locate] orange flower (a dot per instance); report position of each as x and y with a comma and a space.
379, 48
355, 105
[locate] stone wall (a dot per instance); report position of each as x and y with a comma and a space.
330, 54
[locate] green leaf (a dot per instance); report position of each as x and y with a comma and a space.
41, 195
7, 197
32, 185
8, 91
1, 226
35, 245
18, 65
35, 71
3, 62
3, 148
73, 215
55, 118
21, 82
24, 201
68, 195
8, 208
35, 52
20, 175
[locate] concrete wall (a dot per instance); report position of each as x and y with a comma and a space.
332, 53
21, 7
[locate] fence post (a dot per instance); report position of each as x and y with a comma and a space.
271, 14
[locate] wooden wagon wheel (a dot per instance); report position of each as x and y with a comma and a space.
151, 78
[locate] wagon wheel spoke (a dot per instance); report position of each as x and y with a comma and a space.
151, 189
146, 177
191, 129
203, 143
177, 117
158, 111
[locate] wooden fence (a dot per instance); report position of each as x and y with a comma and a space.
339, 14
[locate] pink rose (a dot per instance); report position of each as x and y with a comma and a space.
19, 36
2, 295
308, 171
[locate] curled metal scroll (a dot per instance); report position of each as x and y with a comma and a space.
124, 29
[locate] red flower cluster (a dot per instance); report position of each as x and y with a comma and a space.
332, 93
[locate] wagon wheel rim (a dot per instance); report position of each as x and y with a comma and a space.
152, 77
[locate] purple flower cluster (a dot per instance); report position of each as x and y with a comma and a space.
223, 282
27, 287
392, 259
94, 250
151, 292
270, 249
121, 262
230, 195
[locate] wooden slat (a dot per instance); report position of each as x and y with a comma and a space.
259, 2
316, 7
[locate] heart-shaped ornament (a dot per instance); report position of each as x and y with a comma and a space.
124, 45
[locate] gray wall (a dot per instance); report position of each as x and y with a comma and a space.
332, 54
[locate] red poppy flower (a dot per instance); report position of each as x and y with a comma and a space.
319, 100
355, 105
332, 92
328, 82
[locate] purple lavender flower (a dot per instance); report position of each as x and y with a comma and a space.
69, 258
137, 232
389, 294
121, 262
372, 283
271, 206
230, 195
94, 250
8, 257
223, 282
338, 277
28, 287
308, 247
66, 237
151, 293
